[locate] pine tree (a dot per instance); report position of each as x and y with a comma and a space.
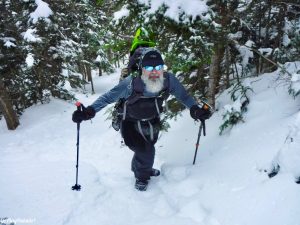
43, 54
11, 62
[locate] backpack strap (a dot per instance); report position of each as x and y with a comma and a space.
142, 133
138, 87
137, 90
165, 92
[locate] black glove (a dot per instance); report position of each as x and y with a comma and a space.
86, 114
198, 113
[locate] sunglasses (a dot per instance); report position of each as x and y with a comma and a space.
151, 68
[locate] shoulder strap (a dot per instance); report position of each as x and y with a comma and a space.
165, 92
137, 90
138, 85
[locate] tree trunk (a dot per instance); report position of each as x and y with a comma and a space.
6, 108
215, 73
100, 71
89, 74
227, 66
281, 25
200, 83
81, 70
86, 71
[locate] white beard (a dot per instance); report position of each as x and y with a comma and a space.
153, 86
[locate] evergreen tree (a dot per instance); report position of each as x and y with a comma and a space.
42, 54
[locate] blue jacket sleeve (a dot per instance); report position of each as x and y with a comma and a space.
177, 89
122, 90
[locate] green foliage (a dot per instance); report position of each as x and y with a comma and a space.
74, 33
84, 32
234, 113
230, 119
239, 92
99, 2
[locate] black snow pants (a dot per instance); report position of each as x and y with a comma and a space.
144, 150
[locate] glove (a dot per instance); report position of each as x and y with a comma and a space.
86, 114
198, 113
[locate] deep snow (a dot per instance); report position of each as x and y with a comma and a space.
227, 186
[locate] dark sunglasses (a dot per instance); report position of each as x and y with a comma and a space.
151, 68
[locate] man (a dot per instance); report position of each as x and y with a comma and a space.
142, 40
143, 99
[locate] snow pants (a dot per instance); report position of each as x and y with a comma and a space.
144, 150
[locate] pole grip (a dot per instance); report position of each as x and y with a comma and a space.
78, 104
206, 107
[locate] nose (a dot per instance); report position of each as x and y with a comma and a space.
155, 71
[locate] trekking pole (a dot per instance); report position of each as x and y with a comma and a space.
77, 187
202, 126
205, 106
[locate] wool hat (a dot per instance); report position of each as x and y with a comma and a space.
152, 58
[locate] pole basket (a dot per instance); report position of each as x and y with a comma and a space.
76, 187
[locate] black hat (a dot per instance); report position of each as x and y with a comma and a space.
152, 58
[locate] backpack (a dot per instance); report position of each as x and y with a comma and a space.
138, 107
143, 111
133, 64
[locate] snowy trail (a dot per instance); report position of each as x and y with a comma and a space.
225, 187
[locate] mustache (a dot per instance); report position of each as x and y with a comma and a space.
154, 76
153, 85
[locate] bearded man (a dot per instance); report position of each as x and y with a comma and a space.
143, 98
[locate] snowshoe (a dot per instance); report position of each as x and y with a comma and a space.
155, 173
141, 185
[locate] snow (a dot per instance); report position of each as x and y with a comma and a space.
42, 11
98, 58
30, 36
266, 51
236, 35
226, 186
287, 27
235, 107
295, 77
123, 12
8, 42
176, 7
29, 60
295, 82
245, 52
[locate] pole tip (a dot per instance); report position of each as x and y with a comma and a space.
76, 187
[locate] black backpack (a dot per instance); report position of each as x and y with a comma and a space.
138, 107
133, 64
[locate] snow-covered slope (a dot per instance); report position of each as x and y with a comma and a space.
227, 186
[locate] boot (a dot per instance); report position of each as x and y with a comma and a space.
141, 185
155, 172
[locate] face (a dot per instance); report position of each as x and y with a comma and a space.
153, 72
153, 78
